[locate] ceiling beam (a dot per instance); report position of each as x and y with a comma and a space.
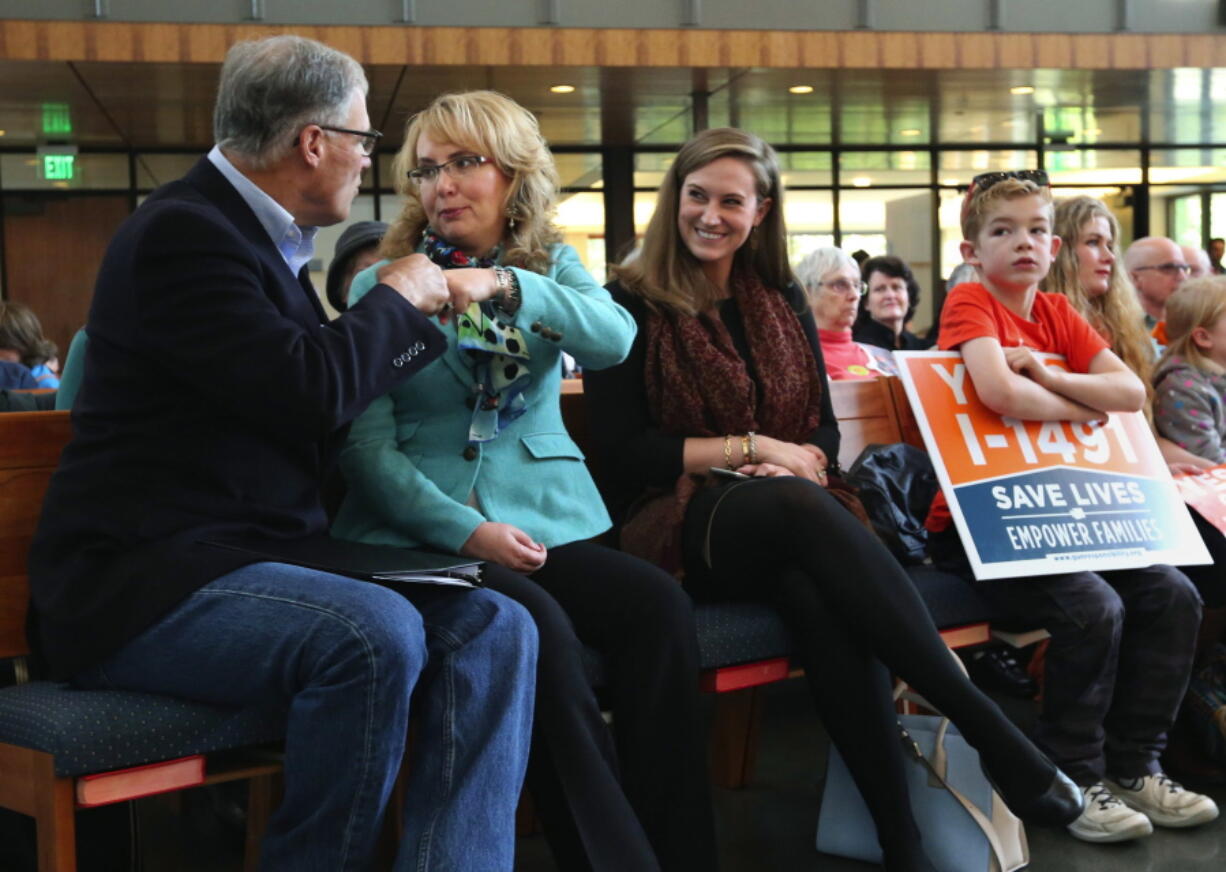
623, 47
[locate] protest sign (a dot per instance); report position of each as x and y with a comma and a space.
1206, 492
1046, 497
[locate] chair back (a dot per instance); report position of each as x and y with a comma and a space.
30, 446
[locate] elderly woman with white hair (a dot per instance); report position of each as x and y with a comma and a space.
833, 288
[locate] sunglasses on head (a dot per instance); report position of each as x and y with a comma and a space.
983, 181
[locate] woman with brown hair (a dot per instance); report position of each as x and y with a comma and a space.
22, 341
726, 374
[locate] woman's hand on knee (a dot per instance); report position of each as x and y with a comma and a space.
765, 470
796, 459
506, 545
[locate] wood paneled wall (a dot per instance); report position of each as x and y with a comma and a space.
537, 46
52, 256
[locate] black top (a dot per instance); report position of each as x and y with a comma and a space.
634, 454
872, 332
214, 399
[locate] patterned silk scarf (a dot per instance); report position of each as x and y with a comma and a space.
495, 349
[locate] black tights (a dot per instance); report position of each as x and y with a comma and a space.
855, 617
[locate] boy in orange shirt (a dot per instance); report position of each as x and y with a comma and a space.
1121, 642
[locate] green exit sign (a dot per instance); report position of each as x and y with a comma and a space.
59, 167
57, 120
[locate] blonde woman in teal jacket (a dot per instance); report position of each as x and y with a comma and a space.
472, 457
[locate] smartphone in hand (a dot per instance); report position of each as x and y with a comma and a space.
720, 472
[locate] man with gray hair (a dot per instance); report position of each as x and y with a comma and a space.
214, 399
1157, 267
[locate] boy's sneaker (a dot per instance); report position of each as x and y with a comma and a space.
1105, 818
1163, 801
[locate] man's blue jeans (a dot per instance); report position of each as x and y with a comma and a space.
344, 656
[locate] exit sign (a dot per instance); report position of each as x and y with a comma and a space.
59, 167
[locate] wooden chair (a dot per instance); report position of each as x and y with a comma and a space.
59, 745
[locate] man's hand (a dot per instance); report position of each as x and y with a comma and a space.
418, 280
506, 545
470, 285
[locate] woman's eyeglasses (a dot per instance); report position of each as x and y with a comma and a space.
367, 139
846, 286
457, 168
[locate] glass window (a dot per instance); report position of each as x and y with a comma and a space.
579, 170
880, 121
644, 207
897, 222
959, 167
987, 124
1184, 219
1162, 209
787, 119
1086, 124
1217, 216
809, 216
1184, 105
649, 169
1187, 165
581, 219
864, 169
806, 168
1093, 167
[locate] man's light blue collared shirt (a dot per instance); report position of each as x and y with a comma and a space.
296, 244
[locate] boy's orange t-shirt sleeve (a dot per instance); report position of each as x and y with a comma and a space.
966, 315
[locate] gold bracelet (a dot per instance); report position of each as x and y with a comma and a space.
728, 452
745, 449
753, 447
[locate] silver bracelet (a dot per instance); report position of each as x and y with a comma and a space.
507, 295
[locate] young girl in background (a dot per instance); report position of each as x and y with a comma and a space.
1190, 380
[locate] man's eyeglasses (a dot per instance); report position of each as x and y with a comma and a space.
368, 139
846, 286
983, 181
457, 168
1167, 269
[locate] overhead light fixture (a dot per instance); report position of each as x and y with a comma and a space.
1021, 90
910, 131
2, 132
800, 89
562, 89
861, 182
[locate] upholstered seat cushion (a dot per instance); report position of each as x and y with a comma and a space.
744, 632
100, 730
739, 632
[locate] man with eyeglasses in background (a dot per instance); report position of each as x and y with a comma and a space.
214, 400
1157, 267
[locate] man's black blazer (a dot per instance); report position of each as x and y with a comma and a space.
215, 397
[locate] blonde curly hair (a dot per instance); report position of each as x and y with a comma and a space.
1116, 314
493, 125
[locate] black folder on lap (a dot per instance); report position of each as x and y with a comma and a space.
379, 563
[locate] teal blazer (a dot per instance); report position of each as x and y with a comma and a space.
411, 481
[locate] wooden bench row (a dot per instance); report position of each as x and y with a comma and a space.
30, 445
